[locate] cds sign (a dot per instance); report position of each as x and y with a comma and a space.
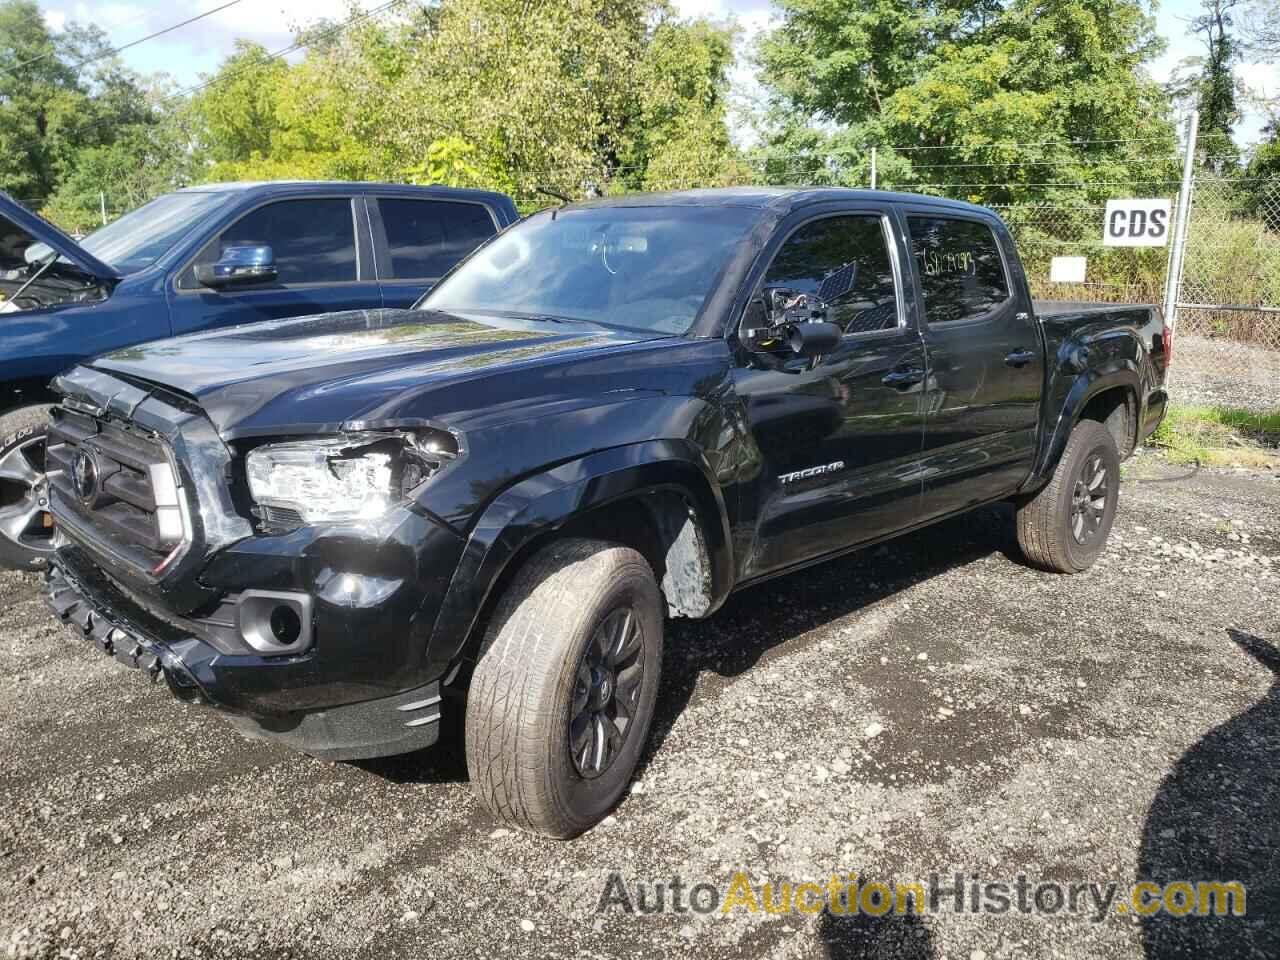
1136, 223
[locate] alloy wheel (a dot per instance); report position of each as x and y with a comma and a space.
1089, 500
606, 692
25, 520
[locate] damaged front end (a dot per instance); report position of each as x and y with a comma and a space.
358, 476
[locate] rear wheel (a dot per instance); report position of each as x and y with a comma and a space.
564, 691
1065, 525
26, 527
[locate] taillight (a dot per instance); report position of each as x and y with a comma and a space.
1166, 337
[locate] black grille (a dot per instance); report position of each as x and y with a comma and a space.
118, 505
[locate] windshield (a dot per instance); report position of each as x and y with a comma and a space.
643, 268
142, 236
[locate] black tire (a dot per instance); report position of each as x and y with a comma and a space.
26, 536
528, 687
1064, 527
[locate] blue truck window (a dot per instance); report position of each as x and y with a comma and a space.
427, 237
313, 240
959, 266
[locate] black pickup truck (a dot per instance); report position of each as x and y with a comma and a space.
335, 529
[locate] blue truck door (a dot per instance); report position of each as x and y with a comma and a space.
418, 241
323, 258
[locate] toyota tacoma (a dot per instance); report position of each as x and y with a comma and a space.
334, 530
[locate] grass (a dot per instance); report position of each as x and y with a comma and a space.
1220, 436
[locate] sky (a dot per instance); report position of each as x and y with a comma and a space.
198, 48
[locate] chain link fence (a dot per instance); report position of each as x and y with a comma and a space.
1227, 348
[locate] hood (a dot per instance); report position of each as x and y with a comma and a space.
315, 373
20, 228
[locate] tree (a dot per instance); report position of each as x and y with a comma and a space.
70, 110
1215, 87
573, 95
957, 84
40, 99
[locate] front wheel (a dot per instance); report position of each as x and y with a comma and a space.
564, 691
26, 526
1064, 526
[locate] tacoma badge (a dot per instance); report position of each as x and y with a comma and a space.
808, 472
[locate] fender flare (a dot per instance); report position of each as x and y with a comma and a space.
1116, 373
543, 502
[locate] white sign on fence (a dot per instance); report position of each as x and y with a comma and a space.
1136, 223
1067, 270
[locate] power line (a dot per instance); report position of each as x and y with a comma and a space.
311, 39
294, 47
127, 46
1015, 145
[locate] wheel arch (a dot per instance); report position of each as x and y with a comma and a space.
659, 497
29, 392
1095, 394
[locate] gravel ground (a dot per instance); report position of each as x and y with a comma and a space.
1222, 372
930, 706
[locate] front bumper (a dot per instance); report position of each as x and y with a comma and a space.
245, 687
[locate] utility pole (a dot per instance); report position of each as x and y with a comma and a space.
873, 168
1173, 282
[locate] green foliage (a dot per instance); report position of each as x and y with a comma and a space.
957, 83
572, 95
73, 121
1213, 88
1219, 435
453, 162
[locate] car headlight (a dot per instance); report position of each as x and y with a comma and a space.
352, 477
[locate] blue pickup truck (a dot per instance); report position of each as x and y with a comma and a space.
209, 256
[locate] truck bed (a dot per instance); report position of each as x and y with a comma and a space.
1049, 309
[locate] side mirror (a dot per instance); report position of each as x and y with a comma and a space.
239, 266
813, 339
782, 318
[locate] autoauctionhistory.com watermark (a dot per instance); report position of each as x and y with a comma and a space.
847, 894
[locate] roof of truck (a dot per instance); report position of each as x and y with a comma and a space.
768, 197
344, 186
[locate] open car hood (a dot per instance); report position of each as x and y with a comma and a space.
20, 228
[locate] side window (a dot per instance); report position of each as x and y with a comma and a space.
427, 237
960, 268
313, 240
845, 262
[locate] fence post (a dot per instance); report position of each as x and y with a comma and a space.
1173, 282
873, 168
102, 206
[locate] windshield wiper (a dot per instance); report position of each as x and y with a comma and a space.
549, 318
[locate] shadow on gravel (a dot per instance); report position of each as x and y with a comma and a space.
865, 937
1216, 817
759, 619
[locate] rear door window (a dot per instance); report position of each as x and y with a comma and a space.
961, 271
425, 238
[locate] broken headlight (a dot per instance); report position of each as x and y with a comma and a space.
353, 477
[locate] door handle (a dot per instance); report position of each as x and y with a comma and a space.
1019, 358
901, 379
